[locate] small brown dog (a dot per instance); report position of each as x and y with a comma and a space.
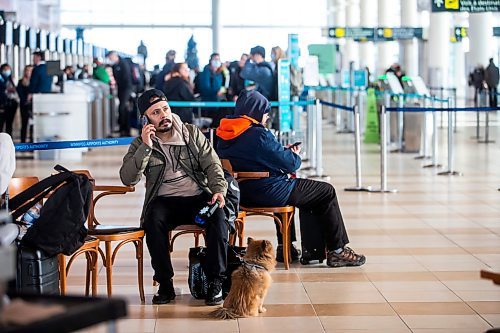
249, 283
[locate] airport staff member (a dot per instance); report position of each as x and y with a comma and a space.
183, 173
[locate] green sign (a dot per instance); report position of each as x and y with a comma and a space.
371, 131
326, 57
469, 6
390, 34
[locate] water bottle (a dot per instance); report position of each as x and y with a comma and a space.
205, 213
32, 214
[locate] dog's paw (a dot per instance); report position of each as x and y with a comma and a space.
262, 309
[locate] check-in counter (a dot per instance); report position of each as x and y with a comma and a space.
63, 117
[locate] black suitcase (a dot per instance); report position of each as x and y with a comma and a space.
37, 273
312, 236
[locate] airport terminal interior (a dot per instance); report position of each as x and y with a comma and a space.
393, 102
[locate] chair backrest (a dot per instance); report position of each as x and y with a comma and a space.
19, 184
243, 175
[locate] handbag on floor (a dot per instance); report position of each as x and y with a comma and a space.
197, 280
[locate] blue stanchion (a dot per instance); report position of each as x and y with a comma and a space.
49, 145
338, 106
197, 104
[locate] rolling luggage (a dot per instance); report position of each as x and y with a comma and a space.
37, 273
312, 238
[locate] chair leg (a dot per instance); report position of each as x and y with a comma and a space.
62, 273
94, 272
286, 239
140, 267
109, 268
196, 239
89, 258
241, 233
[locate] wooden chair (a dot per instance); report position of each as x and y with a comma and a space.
281, 215
115, 233
89, 248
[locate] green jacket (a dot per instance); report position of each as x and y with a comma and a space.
200, 162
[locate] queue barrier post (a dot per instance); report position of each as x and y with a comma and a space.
383, 152
357, 148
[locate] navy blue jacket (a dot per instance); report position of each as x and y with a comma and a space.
257, 149
40, 82
263, 76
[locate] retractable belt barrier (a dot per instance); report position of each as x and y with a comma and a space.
50, 145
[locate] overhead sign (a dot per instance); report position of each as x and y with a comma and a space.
358, 34
379, 34
389, 34
459, 33
469, 6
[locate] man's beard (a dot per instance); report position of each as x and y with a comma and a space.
168, 128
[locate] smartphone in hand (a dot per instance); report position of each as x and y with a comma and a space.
144, 121
298, 143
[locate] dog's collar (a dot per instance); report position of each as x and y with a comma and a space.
251, 265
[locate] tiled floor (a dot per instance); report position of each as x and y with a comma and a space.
425, 246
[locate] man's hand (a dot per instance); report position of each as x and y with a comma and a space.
218, 197
148, 131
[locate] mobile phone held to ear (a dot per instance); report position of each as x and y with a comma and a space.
144, 121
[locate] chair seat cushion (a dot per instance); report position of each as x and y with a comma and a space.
112, 229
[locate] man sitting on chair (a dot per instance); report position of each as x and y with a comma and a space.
183, 173
249, 146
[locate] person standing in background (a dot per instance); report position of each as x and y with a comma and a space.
123, 76
10, 100
236, 82
170, 62
40, 81
491, 76
178, 88
24, 104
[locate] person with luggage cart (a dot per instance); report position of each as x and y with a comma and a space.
249, 146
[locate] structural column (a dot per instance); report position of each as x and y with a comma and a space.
386, 50
340, 21
439, 49
352, 21
409, 18
480, 38
216, 25
368, 20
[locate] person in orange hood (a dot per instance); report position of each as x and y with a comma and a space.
250, 146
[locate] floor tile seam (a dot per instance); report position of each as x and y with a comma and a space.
461, 247
458, 296
310, 302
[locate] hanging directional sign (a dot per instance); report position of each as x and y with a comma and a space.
380, 34
389, 34
470, 6
459, 33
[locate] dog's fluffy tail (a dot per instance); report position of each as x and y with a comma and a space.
224, 313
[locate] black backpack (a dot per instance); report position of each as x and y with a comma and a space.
61, 225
